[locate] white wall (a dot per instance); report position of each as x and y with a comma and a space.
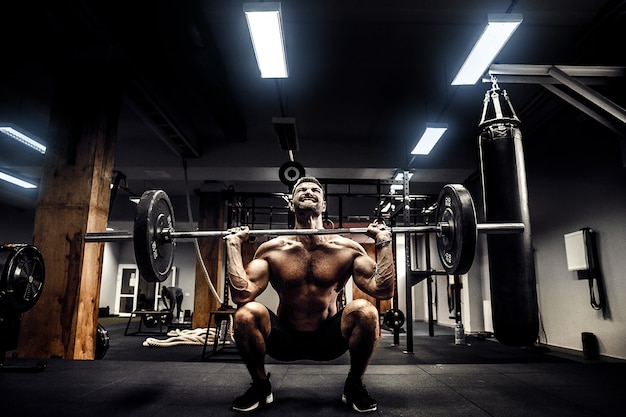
110, 261
116, 253
566, 201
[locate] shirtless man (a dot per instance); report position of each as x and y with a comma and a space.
175, 297
308, 272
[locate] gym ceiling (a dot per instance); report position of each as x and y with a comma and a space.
364, 79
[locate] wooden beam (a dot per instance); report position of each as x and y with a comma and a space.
213, 217
73, 200
212, 207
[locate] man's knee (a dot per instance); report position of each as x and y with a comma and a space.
251, 316
366, 309
362, 314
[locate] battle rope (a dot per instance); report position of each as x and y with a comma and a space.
195, 241
192, 336
184, 337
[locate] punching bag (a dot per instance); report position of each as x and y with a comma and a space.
511, 260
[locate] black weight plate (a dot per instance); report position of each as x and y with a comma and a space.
23, 275
102, 341
166, 318
290, 172
456, 243
393, 318
149, 320
154, 254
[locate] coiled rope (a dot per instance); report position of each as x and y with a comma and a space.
185, 337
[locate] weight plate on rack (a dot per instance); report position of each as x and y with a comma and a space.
154, 251
166, 317
149, 320
23, 275
393, 318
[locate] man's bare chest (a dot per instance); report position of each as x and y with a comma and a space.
322, 266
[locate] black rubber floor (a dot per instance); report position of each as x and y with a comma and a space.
483, 378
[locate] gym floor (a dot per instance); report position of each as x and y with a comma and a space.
481, 378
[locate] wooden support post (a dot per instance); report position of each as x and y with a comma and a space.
212, 215
73, 200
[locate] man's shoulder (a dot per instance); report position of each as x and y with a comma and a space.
274, 243
345, 242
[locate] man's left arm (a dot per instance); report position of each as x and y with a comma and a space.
377, 278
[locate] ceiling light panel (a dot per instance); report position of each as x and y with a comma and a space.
266, 31
499, 29
16, 181
23, 137
432, 134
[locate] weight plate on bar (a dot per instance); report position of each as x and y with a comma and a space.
23, 275
153, 252
456, 242
290, 172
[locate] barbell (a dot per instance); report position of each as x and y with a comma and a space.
154, 235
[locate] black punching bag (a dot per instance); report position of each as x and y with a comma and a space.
511, 260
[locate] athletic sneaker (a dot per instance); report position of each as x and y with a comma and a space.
260, 393
355, 395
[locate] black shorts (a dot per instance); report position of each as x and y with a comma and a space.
323, 344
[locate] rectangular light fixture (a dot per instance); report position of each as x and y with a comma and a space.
266, 30
23, 137
16, 181
432, 134
499, 29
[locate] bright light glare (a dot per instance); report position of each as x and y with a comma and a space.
265, 25
20, 137
494, 37
429, 139
400, 176
16, 181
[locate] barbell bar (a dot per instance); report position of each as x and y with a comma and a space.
170, 234
154, 236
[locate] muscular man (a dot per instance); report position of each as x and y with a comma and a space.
175, 297
308, 272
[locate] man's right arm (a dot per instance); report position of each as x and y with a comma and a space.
248, 282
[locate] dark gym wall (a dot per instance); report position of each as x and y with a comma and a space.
16, 225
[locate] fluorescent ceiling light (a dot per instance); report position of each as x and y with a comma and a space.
265, 25
432, 134
499, 29
23, 137
9, 178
